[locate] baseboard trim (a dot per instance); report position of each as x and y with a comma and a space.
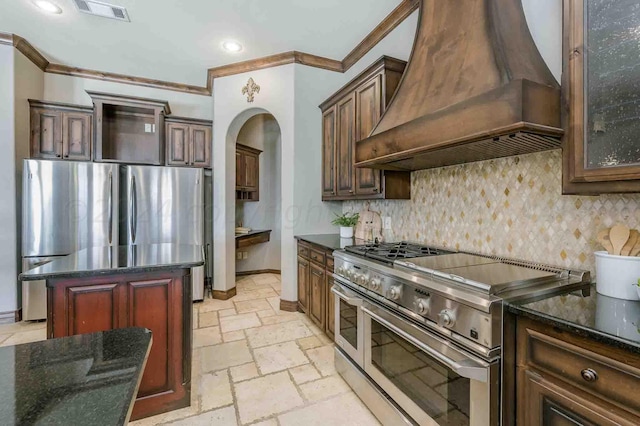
289, 305
258, 271
224, 294
10, 317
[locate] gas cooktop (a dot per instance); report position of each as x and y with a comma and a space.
390, 252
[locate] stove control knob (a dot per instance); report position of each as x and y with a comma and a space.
395, 292
358, 278
447, 318
374, 284
422, 306
340, 270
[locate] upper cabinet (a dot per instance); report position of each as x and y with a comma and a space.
129, 129
247, 173
601, 97
350, 115
188, 142
60, 131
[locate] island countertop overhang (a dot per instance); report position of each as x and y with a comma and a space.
110, 260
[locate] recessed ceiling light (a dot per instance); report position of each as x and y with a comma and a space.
232, 46
48, 6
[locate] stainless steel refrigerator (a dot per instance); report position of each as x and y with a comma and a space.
68, 206
163, 205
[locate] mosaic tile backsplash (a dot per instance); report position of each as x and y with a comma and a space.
511, 207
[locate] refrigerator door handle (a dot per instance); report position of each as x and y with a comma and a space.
110, 207
133, 210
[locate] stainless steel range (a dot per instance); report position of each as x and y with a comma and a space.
419, 329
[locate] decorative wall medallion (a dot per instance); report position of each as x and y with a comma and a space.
250, 89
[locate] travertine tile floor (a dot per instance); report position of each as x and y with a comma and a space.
252, 365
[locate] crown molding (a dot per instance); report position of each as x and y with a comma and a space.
388, 24
126, 79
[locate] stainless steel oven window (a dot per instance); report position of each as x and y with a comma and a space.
349, 323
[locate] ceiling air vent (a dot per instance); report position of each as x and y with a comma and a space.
104, 10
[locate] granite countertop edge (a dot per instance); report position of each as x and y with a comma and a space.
581, 330
328, 241
110, 271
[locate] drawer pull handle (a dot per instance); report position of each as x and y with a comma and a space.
589, 375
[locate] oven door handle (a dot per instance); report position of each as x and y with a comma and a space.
353, 301
467, 368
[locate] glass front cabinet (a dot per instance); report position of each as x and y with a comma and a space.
601, 96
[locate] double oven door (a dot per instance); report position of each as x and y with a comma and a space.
432, 380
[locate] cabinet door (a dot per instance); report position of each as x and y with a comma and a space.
547, 402
200, 145
76, 136
240, 173
368, 112
251, 172
177, 140
46, 133
303, 284
331, 308
90, 308
317, 299
345, 133
329, 153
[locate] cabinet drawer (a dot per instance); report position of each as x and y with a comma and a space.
329, 263
317, 256
605, 377
303, 250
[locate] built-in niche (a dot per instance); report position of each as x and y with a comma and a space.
259, 209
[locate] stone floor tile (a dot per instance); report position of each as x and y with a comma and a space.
266, 313
324, 388
244, 372
206, 337
344, 409
264, 279
208, 319
304, 374
209, 305
280, 318
279, 357
239, 322
166, 418
224, 355
233, 336
194, 321
26, 337
255, 294
22, 326
4, 337
215, 390
274, 302
309, 342
222, 417
252, 306
322, 358
270, 422
277, 333
227, 312
251, 401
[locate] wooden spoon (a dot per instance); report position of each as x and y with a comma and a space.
635, 251
618, 235
631, 243
603, 239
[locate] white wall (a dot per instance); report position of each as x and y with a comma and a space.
69, 89
544, 18
262, 132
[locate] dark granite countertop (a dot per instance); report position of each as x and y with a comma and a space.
119, 260
329, 241
89, 379
611, 321
253, 232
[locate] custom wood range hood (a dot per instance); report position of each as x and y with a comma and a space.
475, 88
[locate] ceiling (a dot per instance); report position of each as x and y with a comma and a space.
178, 40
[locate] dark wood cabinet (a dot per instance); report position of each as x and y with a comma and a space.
60, 131
566, 379
188, 142
247, 173
349, 116
315, 269
303, 284
159, 301
129, 129
317, 302
600, 148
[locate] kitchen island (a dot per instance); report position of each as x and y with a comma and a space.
148, 286
87, 379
